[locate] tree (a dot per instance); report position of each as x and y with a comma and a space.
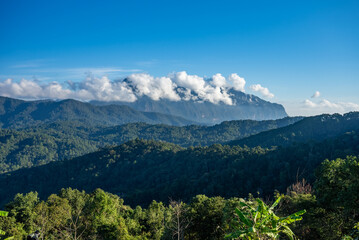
337, 185
22, 208
78, 222
59, 214
155, 219
337, 188
318, 222
4, 214
104, 212
179, 221
206, 218
260, 222
51, 216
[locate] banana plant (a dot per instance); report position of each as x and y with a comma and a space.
260, 222
4, 214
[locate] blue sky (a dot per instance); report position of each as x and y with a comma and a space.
292, 48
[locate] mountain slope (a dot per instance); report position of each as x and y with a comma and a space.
140, 171
315, 128
192, 135
246, 107
17, 113
67, 139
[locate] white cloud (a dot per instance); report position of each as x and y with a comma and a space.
103, 89
205, 91
316, 94
326, 106
91, 89
309, 103
155, 88
55, 90
174, 87
320, 106
264, 91
25, 88
238, 82
192, 82
218, 80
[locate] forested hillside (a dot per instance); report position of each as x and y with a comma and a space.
330, 212
315, 128
140, 171
28, 148
179, 120
193, 135
16, 113
149, 173
67, 139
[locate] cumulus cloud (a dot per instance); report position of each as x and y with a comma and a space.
103, 89
326, 106
237, 81
316, 94
155, 88
218, 80
309, 103
31, 89
192, 82
213, 92
174, 87
91, 89
264, 91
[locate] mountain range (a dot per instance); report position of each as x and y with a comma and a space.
16, 113
140, 170
245, 106
48, 145
67, 139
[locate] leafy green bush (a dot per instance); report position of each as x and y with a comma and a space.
261, 222
4, 214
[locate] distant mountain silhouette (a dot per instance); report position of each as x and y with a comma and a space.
16, 113
245, 106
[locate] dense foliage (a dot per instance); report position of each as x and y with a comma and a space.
67, 139
16, 113
258, 221
28, 148
317, 128
165, 181
140, 171
74, 214
332, 209
193, 135
2, 233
